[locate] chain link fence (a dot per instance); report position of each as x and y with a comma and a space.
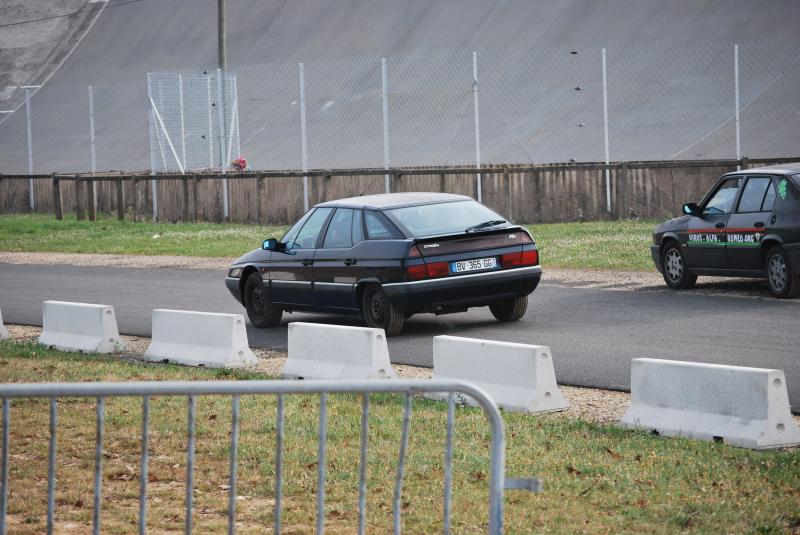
497, 106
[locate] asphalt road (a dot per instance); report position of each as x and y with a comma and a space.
593, 333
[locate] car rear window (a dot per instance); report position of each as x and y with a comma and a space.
441, 218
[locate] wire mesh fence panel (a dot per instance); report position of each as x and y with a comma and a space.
533, 106
120, 123
541, 106
269, 109
665, 101
770, 99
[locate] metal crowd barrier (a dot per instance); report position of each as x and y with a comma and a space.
235, 389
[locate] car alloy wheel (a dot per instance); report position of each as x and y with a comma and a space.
257, 301
777, 272
673, 265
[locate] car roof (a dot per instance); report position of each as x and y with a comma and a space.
780, 169
394, 200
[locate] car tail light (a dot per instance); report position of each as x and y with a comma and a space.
526, 238
414, 252
522, 258
427, 271
417, 272
438, 269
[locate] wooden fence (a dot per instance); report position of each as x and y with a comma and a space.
527, 194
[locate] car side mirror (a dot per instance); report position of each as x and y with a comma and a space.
271, 244
691, 208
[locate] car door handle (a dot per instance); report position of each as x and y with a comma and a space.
308, 262
759, 224
350, 261
720, 225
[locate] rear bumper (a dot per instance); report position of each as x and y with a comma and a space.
655, 252
478, 289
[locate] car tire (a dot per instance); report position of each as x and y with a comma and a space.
509, 309
379, 312
673, 268
260, 310
782, 279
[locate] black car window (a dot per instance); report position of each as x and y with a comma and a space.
291, 234
753, 194
444, 218
378, 228
769, 198
307, 237
340, 230
722, 200
358, 227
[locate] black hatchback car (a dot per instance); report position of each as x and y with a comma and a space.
386, 257
747, 225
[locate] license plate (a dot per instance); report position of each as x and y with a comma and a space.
473, 265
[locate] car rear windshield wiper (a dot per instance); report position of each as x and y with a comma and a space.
485, 224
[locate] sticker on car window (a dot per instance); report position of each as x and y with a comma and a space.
783, 188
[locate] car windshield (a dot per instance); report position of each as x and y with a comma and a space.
444, 218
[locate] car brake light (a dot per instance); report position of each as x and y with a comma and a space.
414, 252
417, 272
438, 269
526, 238
427, 271
522, 258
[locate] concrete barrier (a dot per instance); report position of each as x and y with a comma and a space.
318, 351
4, 334
518, 377
747, 407
80, 327
199, 339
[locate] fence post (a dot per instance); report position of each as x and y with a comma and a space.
78, 199
185, 191
507, 190
210, 126
605, 135
135, 202
89, 204
736, 93
194, 198
31, 194
57, 208
183, 128
385, 99
222, 144
478, 185
120, 201
259, 194
92, 147
303, 140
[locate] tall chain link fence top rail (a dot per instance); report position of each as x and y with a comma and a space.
534, 106
235, 389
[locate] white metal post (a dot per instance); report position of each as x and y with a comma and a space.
236, 114
477, 123
303, 134
31, 194
92, 146
210, 126
385, 98
605, 134
222, 163
183, 128
736, 91
153, 127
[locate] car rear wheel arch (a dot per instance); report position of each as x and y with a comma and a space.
767, 245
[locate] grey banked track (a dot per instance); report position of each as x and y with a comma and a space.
685, 112
593, 333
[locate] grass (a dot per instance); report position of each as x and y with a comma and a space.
603, 244
598, 479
